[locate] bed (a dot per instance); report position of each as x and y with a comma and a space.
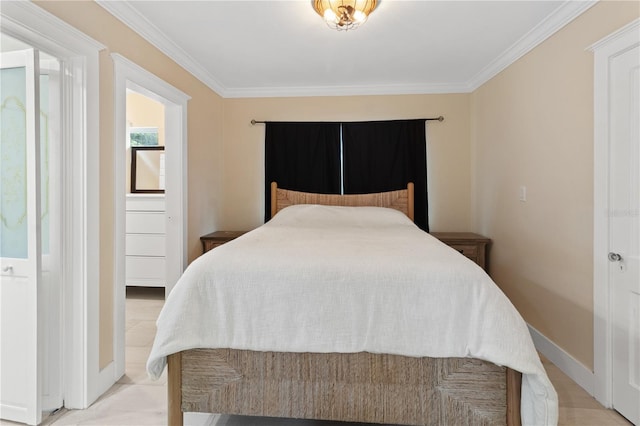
286, 321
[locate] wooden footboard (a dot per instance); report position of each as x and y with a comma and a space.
359, 387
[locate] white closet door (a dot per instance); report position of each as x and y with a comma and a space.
624, 190
20, 239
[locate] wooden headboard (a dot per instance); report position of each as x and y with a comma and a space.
401, 200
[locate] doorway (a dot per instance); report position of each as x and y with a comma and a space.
83, 378
131, 78
617, 221
74, 177
145, 241
30, 294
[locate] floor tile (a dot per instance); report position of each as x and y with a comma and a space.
141, 335
591, 417
125, 405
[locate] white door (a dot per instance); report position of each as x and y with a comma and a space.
624, 244
20, 240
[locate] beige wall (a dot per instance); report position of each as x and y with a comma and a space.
203, 127
144, 112
533, 126
447, 149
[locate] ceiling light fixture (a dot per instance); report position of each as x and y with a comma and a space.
344, 15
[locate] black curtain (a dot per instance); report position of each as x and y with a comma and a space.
385, 156
302, 157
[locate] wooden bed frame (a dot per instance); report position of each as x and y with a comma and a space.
358, 387
401, 200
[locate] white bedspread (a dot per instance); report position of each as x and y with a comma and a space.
349, 279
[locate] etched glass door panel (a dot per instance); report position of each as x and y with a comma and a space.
20, 244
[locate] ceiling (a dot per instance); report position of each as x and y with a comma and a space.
283, 48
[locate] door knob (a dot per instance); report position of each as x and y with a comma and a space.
614, 257
7, 268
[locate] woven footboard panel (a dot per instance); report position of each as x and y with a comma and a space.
360, 387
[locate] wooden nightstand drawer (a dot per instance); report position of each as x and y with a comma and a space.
218, 238
471, 245
471, 251
210, 245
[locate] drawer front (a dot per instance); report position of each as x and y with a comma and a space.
469, 250
145, 268
145, 203
209, 245
145, 245
220, 238
145, 223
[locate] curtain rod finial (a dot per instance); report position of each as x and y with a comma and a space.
441, 118
253, 122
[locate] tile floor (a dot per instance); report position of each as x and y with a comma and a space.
136, 400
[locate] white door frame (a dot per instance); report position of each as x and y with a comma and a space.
52, 392
25, 21
604, 51
128, 75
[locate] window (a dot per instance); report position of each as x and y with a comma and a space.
349, 158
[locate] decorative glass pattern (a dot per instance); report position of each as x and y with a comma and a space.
13, 164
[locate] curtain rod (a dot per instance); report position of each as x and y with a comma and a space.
441, 118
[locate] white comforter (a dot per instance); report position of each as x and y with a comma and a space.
349, 279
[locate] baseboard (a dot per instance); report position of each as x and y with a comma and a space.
573, 368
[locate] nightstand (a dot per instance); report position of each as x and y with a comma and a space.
474, 246
218, 238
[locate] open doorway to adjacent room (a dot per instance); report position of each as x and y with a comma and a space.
149, 208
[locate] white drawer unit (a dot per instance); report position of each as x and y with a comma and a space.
145, 240
146, 245
145, 271
141, 222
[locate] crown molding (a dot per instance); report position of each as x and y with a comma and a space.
141, 25
315, 91
564, 14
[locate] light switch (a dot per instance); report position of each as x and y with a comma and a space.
523, 193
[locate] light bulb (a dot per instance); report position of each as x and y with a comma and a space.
359, 16
330, 16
